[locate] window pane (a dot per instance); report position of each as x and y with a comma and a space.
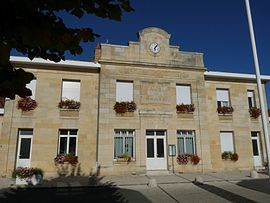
183, 94
26, 132
180, 143
189, 145
129, 146
124, 91
118, 146
160, 147
254, 134
72, 145
63, 145
150, 132
73, 132
71, 90
150, 148
226, 140
255, 148
32, 87
63, 132
160, 132
25, 148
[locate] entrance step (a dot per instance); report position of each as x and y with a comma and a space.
157, 172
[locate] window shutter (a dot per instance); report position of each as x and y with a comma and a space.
223, 95
71, 90
226, 140
124, 91
183, 94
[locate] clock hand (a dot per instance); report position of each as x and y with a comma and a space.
155, 47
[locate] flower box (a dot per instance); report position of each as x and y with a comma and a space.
185, 108
254, 112
66, 164
69, 104
230, 156
28, 176
26, 104
183, 159
123, 107
225, 110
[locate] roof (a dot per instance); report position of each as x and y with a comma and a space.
216, 74
40, 61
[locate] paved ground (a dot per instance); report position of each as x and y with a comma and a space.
235, 186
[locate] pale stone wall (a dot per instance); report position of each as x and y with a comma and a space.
154, 79
241, 124
47, 119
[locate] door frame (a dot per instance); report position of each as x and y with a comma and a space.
20, 136
257, 138
155, 137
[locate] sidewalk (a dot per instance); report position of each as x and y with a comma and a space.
233, 186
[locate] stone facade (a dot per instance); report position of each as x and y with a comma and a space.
154, 74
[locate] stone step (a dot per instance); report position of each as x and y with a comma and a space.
157, 172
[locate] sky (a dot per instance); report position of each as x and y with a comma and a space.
217, 28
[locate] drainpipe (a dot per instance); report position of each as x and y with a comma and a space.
98, 110
259, 83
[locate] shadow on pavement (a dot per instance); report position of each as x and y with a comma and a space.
261, 185
76, 189
224, 193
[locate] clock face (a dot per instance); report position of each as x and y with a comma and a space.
154, 47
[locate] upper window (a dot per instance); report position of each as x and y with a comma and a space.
226, 141
124, 143
223, 97
2, 105
186, 142
124, 91
67, 142
251, 98
71, 90
183, 95
32, 87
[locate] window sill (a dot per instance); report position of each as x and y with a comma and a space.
254, 119
185, 115
69, 112
225, 116
126, 114
27, 113
122, 161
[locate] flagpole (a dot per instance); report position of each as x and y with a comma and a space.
259, 83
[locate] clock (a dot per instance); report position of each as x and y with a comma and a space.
154, 47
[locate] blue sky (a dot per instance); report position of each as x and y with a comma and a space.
219, 29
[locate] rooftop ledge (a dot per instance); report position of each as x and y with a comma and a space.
216, 74
40, 61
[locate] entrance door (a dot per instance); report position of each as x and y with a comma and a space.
256, 149
24, 148
156, 153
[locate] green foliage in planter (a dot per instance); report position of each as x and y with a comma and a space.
125, 156
185, 108
229, 155
66, 158
254, 112
225, 110
123, 107
25, 172
69, 104
27, 104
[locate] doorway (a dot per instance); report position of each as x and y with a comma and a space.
24, 148
156, 150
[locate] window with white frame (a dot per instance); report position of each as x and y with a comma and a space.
251, 98
226, 142
223, 98
32, 87
2, 105
67, 143
186, 142
183, 94
124, 91
70, 90
124, 143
